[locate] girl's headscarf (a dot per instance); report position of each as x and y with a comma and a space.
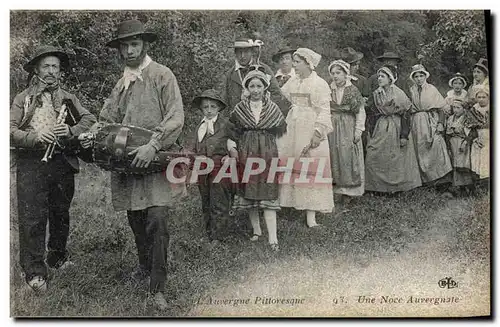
461, 102
265, 78
346, 67
394, 100
483, 89
459, 77
257, 74
418, 68
389, 72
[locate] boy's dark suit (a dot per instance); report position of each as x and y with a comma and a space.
215, 197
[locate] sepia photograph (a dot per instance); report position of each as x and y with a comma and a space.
250, 163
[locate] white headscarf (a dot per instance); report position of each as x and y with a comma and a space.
265, 78
389, 73
346, 67
311, 57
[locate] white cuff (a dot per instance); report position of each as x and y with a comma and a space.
231, 144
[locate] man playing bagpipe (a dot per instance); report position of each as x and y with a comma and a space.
45, 121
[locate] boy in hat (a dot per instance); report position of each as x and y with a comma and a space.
284, 59
211, 141
231, 85
45, 189
147, 96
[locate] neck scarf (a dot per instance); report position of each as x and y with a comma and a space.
476, 118
391, 101
37, 87
256, 107
427, 98
130, 74
207, 125
338, 91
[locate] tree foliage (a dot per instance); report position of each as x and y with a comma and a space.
458, 41
195, 44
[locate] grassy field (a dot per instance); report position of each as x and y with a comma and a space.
385, 245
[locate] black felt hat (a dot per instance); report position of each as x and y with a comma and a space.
45, 51
350, 55
390, 55
209, 94
276, 57
131, 28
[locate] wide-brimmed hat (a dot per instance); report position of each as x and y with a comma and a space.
458, 76
389, 55
350, 55
243, 42
45, 51
131, 28
209, 94
335, 54
418, 68
483, 63
276, 57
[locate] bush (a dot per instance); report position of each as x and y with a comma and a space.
195, 44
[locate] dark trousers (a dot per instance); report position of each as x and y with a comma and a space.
44, 191
151, 237
215, 203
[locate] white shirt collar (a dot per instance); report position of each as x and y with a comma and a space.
206, 126
145, 62
280, 73
213, 120
238, 66
452, 93
347, 83
484, 82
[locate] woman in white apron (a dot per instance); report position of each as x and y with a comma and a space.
308, 124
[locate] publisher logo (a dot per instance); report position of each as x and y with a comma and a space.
447, 282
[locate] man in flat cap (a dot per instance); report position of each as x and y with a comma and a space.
231, 87
45, 189
147, 96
